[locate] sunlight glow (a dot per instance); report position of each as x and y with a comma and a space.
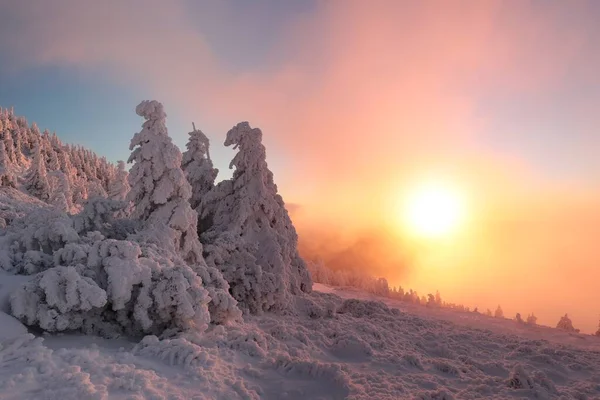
433, 210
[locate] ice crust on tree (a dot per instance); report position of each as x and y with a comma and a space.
247, 233
159, 189
198, 167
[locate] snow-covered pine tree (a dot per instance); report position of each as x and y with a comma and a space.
531, 319
159, 189
119, 186
7, 177
566, 324
61, 197
198, 167
499, 313
10, 146
248, 233
36, 181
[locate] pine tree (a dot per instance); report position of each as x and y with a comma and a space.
198, 167
159, 189
531, 319
566, 324
61, 195
119, 186
499, 313
247, 230
37, 180
6, 176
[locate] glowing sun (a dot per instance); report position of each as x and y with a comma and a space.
433, 209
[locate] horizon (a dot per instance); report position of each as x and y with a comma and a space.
358, 104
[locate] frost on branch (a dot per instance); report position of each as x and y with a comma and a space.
247, 231
159, 189
198, 167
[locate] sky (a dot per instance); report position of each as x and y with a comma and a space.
358, 101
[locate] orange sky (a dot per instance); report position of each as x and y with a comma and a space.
359, 99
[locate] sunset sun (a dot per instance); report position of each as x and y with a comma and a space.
433, 210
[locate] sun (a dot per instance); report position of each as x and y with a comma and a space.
433, 210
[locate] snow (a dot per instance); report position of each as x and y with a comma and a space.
364, 349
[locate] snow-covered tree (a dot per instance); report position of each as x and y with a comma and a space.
10, 147
198, 167
7, 177
36, 181
61, 197
499, 313
566, 324
95, 188
119, 186
159, 189
531, 319
248, 233
518, 318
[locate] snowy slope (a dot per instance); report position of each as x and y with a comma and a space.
335, 349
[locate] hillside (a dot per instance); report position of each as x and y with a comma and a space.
165, 285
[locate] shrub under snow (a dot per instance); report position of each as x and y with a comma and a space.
247, 232
109, 287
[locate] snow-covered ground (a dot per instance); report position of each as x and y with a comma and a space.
335, 347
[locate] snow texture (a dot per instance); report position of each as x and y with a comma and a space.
247, 232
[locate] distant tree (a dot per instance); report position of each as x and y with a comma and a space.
36, 181
198, 167
7, 177
476, 310
61, 197
431, 300
488, 312
119, 186
499, 313
519, 319
531, 319
566, 324
10, 147
438, 298
598, 331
